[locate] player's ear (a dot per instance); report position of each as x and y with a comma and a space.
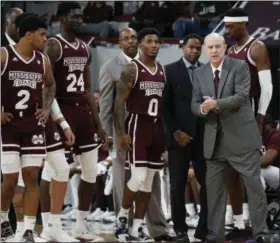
29, 34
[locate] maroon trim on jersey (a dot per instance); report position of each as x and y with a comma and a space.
68, 43
21, 58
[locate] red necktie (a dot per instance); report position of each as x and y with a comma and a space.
216, 81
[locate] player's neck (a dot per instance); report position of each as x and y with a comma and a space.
70, 37
24, 49
148, 61
243, 39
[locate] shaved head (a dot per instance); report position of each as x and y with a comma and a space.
12, 14
11, 29
216, 37
128, 42
126, 31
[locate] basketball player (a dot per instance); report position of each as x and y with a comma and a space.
254, 53
57, 164
24, 73
141, 133
70, 58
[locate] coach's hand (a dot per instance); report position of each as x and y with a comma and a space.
42, 115
103, 137
182, 138
6, 117
69, 135
124, 142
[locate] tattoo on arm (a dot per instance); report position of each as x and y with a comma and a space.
53, 51
124, 86
49, 86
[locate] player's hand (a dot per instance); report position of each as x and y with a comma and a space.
69, 135
103, 137
6, 117
42, 115
124, 142
182, 138
259, 120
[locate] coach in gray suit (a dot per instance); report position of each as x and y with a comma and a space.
231, 138
109, 75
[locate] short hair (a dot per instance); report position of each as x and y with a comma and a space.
31, 23
22, 17
65, 8
268, 120
147, 31
192, 36
236, 12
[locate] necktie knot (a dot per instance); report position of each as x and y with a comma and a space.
192, 67
217, 72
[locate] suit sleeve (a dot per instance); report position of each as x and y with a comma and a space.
242, 89
196, 97
168, 104
107, 96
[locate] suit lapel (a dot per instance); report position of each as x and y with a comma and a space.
224, 74
209, 80
182, 66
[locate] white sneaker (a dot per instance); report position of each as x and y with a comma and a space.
110, 217
69, 215
85, 235
56, 234
66, 210
229, 222
109, 182
192, 221
96, 214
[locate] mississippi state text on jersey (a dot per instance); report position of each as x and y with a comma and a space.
69, 69
146, 95
22, 83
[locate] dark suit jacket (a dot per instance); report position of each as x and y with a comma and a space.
4, 41
177, 96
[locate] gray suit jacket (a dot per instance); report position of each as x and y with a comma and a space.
235, 112
109, 74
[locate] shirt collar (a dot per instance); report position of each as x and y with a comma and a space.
218, 68
10, 40
129, 58
188, 64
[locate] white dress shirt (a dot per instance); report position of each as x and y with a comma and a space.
10, 40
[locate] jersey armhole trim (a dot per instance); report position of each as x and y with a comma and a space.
86, 46
249, 54
61, 50
136, 76
6, 63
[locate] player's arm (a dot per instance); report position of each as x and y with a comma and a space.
5, 117
53, 51
91, 100
260, 56
123, 89
60, 120
48, 92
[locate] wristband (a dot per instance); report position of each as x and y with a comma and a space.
64, 125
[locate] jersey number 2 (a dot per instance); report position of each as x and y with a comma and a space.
75, 82
21, 105
153, 107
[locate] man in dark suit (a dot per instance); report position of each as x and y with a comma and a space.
184, 134
10, 36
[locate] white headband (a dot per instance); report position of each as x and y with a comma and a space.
236, 19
